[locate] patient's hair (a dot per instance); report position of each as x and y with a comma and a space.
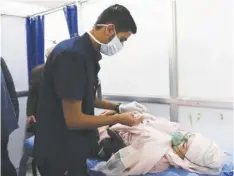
120, 17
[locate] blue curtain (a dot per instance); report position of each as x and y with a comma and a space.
35, 42
72, 20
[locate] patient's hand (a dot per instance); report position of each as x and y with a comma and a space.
108, 113
102, 129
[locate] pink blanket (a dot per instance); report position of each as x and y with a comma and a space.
148, 149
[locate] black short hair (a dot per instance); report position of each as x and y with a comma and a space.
120, 17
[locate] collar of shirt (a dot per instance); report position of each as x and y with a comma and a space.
91, 49
95, 55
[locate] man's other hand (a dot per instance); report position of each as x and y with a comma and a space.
129, 119
108, 113
30, 119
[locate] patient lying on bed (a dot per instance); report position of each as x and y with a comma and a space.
156, 144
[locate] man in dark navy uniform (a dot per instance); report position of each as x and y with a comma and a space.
66, 133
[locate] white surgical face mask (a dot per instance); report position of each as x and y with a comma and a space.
111, 48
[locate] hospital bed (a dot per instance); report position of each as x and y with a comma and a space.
226, 171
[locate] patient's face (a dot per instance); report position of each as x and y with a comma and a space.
181, 150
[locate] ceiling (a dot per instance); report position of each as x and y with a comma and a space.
42, 3
29, 7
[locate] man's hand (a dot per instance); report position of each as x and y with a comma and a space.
108, 113
129, 119
133, 106
30, 119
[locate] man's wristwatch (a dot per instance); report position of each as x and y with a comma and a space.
117, 108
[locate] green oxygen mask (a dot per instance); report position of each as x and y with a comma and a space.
178, 138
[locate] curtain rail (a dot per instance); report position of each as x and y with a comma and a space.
45, 12
12, 15
49, 11
179, 101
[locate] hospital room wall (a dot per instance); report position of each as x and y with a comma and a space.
13, 49
205, 66
205, 49
205, 57
128, 72
205, 60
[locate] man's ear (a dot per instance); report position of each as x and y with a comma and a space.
111, 29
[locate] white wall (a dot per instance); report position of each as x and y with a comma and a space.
14, 52
205, 59
142, 67
216, 124
205, 54
55, 28
205, 50
205, 62
14, 49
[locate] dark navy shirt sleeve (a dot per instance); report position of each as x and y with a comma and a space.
69, 76
9, 120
